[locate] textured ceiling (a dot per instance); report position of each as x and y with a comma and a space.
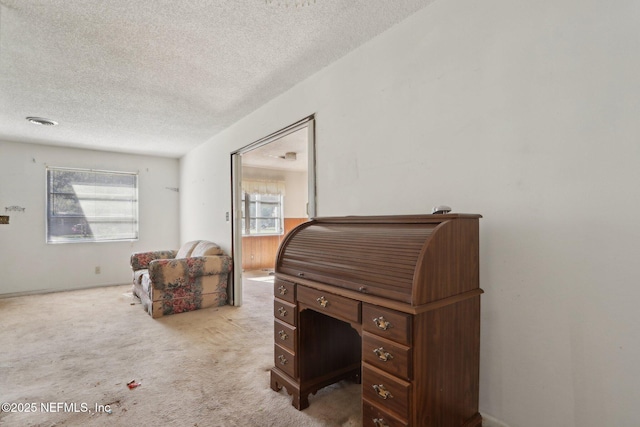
163, 76
274, 154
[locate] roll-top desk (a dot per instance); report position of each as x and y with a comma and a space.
392, 302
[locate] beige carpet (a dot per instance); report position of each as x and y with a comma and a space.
67, 352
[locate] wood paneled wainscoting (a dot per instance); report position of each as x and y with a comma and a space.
260, 251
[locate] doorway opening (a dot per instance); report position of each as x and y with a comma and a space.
273, 190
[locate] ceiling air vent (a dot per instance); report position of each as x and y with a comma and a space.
41, 121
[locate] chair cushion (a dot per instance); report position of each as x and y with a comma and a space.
137, 275
186, 249
206, 248
145, 281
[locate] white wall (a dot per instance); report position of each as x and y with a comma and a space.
28, 264
527, 113
295, 201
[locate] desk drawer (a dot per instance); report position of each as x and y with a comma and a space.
388, 393
284, 335
284, 311
387, 323
372, 416
285, 361
387, 355
284, 290
331, 304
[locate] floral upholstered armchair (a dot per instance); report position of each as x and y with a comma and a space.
169, 282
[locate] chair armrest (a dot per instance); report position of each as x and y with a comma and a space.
209, 265
141, 260
175, 272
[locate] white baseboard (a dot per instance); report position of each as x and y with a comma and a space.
50, 291
489, 421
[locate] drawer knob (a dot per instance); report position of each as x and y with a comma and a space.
323, 301
282, 290
383, 393
282, 311
380, 422
383, 355
283, 335
381, 323
283, 360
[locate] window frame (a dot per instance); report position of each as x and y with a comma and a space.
247, 217
50, 216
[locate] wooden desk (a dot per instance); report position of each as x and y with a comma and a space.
391, 302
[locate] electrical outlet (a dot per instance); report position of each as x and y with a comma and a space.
97, 269
4, 219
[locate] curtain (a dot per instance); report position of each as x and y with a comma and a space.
263, 187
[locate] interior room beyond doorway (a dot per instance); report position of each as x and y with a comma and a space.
275, 194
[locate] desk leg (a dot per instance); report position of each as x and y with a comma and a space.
279, 380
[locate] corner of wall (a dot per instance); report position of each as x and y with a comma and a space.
489, 421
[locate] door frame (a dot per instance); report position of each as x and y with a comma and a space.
235, 291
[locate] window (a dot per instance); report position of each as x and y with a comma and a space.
91, 206
264, 214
